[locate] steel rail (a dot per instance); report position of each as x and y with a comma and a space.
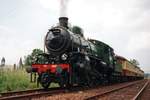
4, 94
95, 97
34, 93
28, 94
138, 95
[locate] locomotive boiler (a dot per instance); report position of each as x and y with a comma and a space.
70, 59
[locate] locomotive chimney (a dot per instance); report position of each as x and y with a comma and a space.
63, 21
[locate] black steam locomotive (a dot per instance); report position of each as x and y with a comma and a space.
73, 60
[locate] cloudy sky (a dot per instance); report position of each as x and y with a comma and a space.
123, 24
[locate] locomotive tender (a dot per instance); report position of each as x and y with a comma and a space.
71, 59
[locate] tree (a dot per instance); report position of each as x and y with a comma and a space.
20, 63
35, 57
134, 62
3, 62
27, 60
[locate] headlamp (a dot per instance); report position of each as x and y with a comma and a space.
64, 56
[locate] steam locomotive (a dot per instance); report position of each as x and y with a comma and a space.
73, 60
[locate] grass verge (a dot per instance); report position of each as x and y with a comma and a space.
15, 80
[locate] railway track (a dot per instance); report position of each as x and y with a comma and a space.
104, 95
5, 94
82, 95
144, 93
28, 94
37, 93
53, 92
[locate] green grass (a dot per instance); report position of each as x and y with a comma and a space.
15, 80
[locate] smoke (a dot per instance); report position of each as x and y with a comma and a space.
63, 8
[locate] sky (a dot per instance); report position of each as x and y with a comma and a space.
123, 24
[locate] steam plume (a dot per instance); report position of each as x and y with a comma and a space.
63, 8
